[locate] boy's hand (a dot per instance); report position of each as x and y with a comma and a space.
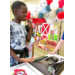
29, 60
29, 22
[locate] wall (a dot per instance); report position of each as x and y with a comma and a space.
11, 14
61, 50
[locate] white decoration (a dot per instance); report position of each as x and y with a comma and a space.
56, 20
38, 9
35, 14
46, 15
52, 14
43, 3
54, 5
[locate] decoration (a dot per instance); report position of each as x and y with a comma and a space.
35, 15
52, 14
63, 8
58, 10
60, 15
43, 37
46, 15
54, 6
61, 3
45, 29
43, 3
28, 15
48, 8
49, 1
31, 15
38, 9
39, 21
56, 20
40, 15
44, 10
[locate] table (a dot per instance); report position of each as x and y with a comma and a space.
30, 70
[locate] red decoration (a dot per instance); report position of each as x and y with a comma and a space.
60, 15
28, 15
33, 18
38, 21
61, 3
45, 29
49, 1
44, 37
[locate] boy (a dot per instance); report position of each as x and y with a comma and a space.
30, 45
18, 34
61, 42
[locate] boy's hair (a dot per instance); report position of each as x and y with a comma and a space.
27, 28
17, 5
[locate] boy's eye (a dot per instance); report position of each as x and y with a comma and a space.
24, 12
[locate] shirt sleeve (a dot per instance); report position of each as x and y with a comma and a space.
10, 33
62, 36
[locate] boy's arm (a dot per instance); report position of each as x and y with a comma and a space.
20, 59
15, 56
28, 37
60, 43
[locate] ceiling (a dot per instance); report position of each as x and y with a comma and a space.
27, 1
11, 1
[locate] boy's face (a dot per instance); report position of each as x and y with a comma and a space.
21, 13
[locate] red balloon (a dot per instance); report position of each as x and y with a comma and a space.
28, 15
49, 1
61, 3
60, 15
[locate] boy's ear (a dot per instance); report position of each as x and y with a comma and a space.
15, 11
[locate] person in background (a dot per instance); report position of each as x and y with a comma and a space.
60, 43
18, 33
30, 45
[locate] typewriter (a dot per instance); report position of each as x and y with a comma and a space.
52, 65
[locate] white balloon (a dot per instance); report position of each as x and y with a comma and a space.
54, 6
35, 15
52, 14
